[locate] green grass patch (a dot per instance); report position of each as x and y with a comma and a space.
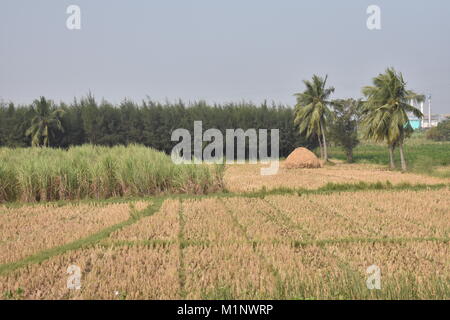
95, 172
421, 156
345, 187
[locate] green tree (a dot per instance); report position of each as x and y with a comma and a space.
386, 112
3, 124
45, 122
92, 118
312, 111
344, 126
441, 132
149, 123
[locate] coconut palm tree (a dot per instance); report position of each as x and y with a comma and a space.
312, 111
385, 114
46, 120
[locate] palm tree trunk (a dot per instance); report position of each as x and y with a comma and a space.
325, 151
324, 140
349, 153
402, 157
391, 157
320, 146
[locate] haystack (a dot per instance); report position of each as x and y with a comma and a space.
302, 158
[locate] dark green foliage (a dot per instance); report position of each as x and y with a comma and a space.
385, 114
312, 112
343, 128
441, 132
14, 122
149, 123
45, 123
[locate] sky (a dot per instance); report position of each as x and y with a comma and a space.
219, 51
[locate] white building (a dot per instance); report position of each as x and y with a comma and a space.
428, 122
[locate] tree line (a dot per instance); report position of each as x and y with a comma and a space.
383, 116
150, 123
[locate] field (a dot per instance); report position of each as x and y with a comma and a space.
247, 178
140, 227
423, 156
44, 174
292, 236
231, 157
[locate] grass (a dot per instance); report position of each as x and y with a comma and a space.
345, 187
422, 156
261, 193
42, 174
181, 242
280, 261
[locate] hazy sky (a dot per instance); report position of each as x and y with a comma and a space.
227, 50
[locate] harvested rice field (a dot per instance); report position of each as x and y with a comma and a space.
28, 230
247, 177
310, 245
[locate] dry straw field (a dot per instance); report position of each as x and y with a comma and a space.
308, 245
28, 230
245, 178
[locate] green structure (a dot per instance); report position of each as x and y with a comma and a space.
415, 123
